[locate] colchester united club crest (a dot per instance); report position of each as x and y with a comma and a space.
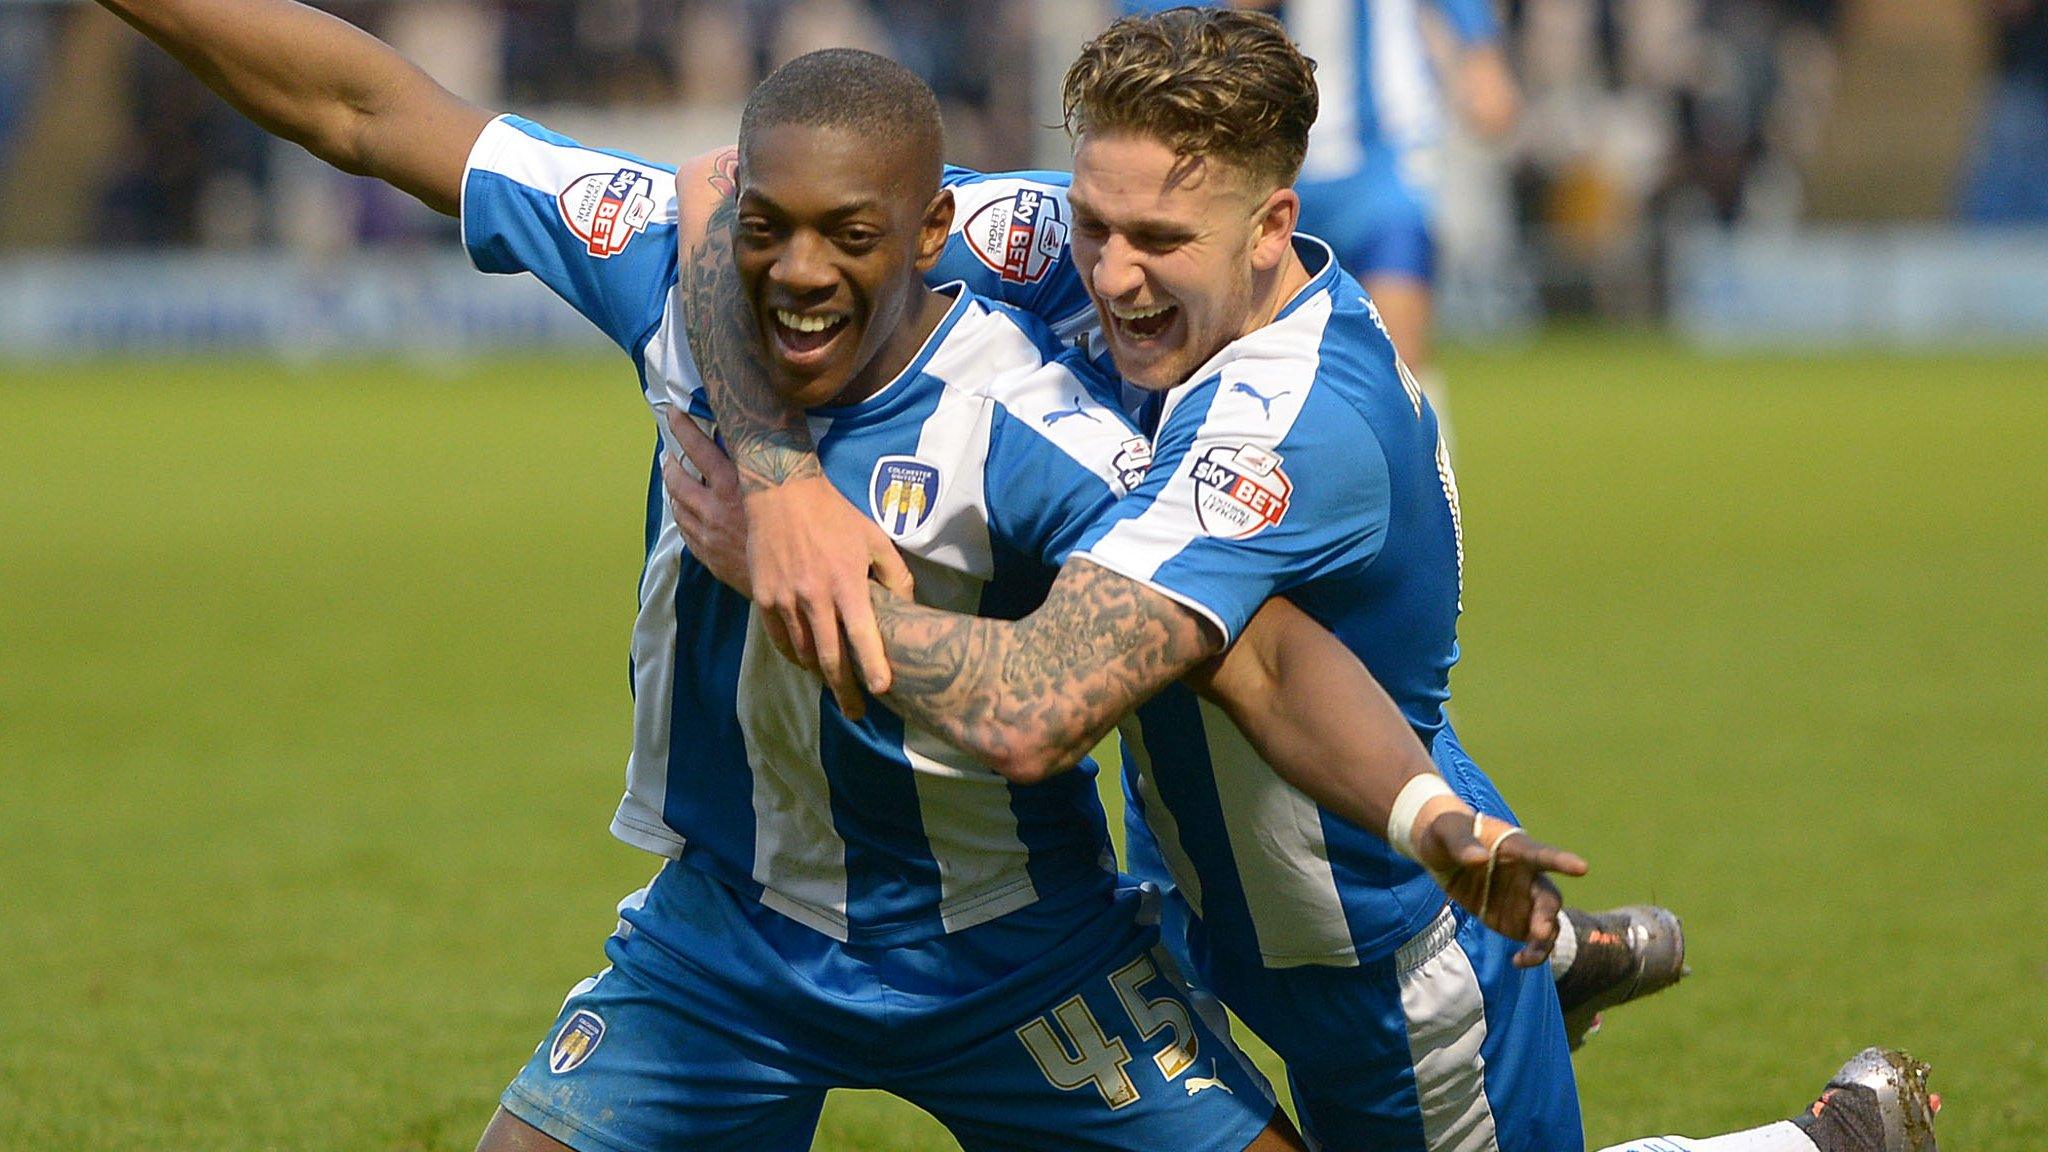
576, 1041
902, 493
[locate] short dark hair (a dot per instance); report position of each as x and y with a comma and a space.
1202, 81
856, 91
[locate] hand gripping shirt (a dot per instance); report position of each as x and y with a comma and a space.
1301, 461
985, 460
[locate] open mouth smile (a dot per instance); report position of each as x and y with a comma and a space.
1139, 324
804, 339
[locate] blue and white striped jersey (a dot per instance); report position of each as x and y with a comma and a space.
1301, 460
872, 831
1381, 107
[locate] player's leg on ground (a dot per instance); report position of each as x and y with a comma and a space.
1877, 1102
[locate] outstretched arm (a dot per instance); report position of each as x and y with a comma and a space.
324, 84
809, 552
1317, 716
1035, 695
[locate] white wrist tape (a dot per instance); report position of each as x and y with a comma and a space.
1407, 806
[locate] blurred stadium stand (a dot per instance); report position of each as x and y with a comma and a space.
1745, 170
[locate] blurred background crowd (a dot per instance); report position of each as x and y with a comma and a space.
1640, 122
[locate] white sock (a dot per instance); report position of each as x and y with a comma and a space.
1567, 949
1784, 1136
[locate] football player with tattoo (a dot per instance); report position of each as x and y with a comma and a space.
1293, 456
846, 899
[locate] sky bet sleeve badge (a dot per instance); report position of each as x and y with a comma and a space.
606, 210
1240, 491
1019, 236
902, 494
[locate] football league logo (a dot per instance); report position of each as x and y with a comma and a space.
576, 1041
902, 494
1019, 236
1240, 492
1133, 460
606, 210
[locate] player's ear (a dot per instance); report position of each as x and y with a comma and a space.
932, 232
1273, 228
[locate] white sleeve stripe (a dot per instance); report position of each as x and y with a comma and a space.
486, 140
548, 167
1112, 564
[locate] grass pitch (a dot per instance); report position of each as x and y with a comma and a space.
313, 710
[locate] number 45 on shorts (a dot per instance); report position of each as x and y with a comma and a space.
1073, 1050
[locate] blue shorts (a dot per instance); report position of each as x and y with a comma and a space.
722, 1024
1375, 223
1442, 1047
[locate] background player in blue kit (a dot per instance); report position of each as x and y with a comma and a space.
1292, 455
1372, 180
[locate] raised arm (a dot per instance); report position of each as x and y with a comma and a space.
323, 84
809, 552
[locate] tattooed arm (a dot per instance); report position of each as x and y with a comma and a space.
810, 554
1033, 696
769, 442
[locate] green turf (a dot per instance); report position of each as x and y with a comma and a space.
313, 710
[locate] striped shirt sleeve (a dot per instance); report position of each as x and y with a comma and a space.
1010, 242
597, 227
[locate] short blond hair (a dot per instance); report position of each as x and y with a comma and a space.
1204, 82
